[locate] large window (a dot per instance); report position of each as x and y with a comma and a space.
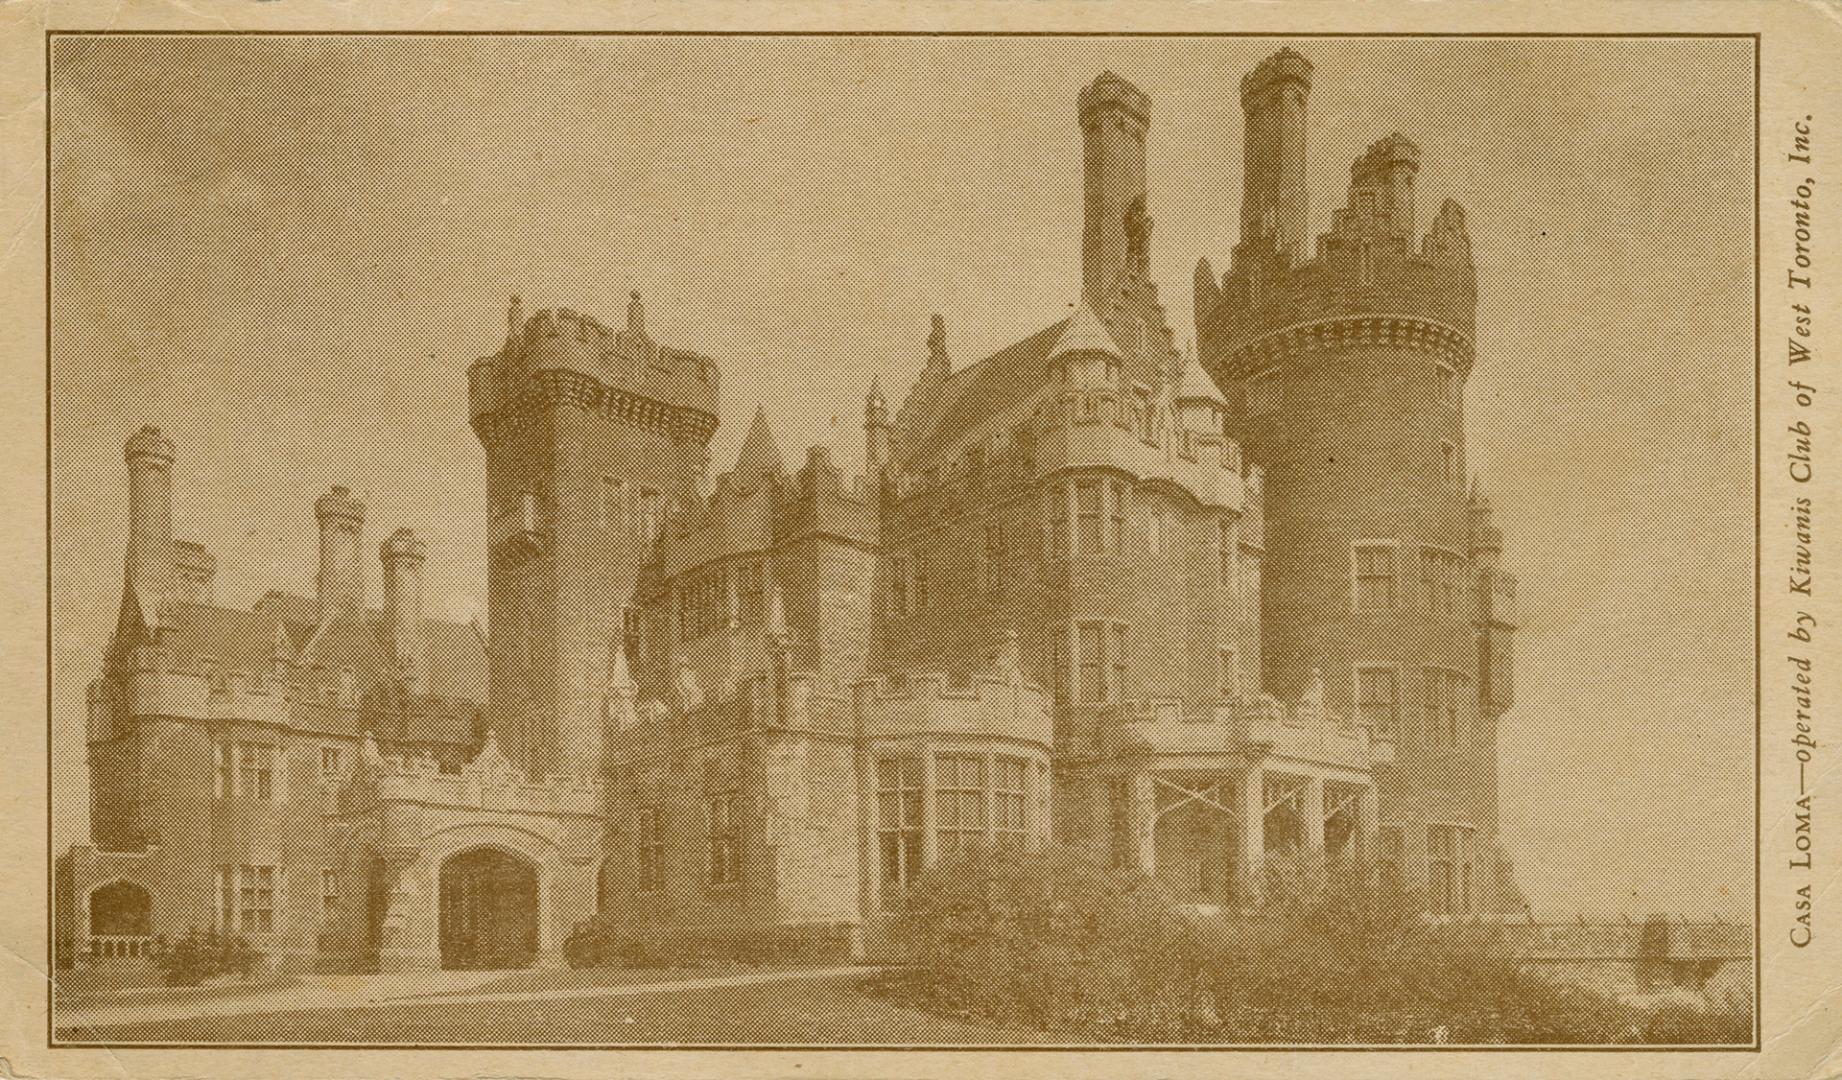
959, 803
1374, 577
246, 899
649, 849
1378, 700
1100, 672
725, 840
246, 770
1445, 692
329, 891
1010, 786
1440, 571
899, 822
329, 761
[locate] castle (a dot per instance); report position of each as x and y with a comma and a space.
1180, 611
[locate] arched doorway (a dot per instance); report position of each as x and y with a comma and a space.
488, 910
121, 909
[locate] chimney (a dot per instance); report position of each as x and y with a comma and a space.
342, 575
403, 556
150, 515
1114, 117
1273, 198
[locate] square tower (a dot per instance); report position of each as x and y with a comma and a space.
595, 439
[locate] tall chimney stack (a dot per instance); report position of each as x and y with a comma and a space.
403, 555
342, 574
1114, 117
1273, 197
150, 515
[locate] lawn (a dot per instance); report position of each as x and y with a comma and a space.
800, 1012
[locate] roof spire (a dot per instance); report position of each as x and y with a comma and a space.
938, 362
759, 459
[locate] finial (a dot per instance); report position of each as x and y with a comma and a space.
514, 315
636, 314
875, 400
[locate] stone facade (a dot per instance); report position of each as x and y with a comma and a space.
1090, 589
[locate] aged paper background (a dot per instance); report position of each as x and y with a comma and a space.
1801, 1017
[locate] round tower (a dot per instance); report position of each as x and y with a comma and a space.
342, 527
1345, 377
1114, 117
150, 514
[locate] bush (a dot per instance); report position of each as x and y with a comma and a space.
196, 957
1058, 942
1052, 940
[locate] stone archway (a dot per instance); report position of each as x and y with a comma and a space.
488, 909
121, 909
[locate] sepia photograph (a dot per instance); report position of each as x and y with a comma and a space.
903, 540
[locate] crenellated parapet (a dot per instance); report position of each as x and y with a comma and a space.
1254, 725
994, 704
1370, 280
489, 781
562, 357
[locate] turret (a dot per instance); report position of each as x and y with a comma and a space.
150, 516
1381, 186
1274, 200
877, 432
1116, 229
403, 556
342, 575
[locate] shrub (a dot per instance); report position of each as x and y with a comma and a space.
1049, 939
196, 957
1327, 955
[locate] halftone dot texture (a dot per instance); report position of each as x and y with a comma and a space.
291, 253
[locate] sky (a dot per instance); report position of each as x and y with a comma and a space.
286, 251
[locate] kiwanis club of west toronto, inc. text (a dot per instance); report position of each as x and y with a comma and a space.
1799, 457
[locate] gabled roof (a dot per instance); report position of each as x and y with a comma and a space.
247, 640
979, 391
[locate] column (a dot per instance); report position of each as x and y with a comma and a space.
1142, 816
1312, 814
1250, 829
